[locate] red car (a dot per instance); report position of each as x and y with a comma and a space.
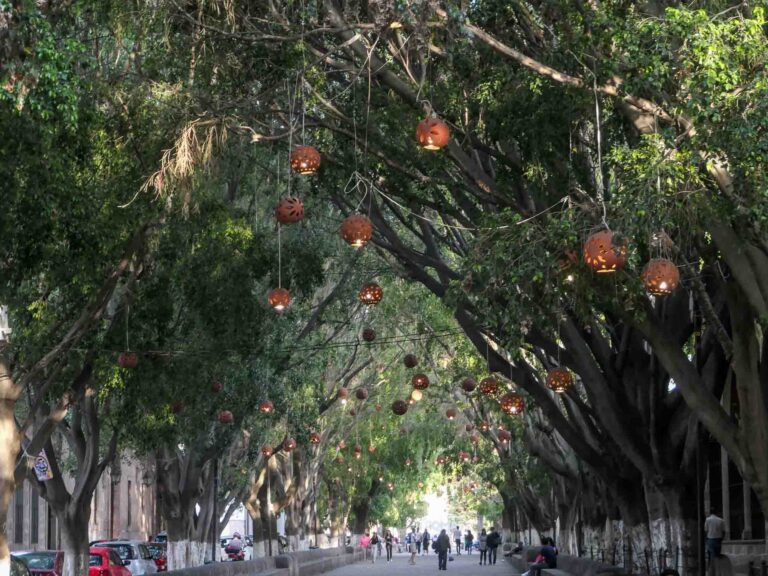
43, 563
106, 562
157, 549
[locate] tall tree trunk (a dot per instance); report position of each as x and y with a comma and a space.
73, 520
10, 446
185, 549
360, 511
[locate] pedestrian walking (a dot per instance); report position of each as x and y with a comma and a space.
426, 540
469, 540
365, 543
411, 541
419, 538
483, 547
375, 546
714, 526
457, 537
493, 541
388, 544
441, 547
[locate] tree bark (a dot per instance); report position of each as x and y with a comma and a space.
73, 520
10, 440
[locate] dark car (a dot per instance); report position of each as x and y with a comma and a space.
43, 562
18, 568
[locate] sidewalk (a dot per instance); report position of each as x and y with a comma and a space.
463, 565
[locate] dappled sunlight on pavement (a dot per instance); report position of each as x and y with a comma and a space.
461, 566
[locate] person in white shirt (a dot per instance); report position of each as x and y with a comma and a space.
457, 535
714, 526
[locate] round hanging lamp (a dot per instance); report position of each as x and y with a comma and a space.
432, 133
420, 381
370, 294
361, 394
450, 413
342, 395
416, 395
266, 450
463, 456
660, 277
399, 407
289, 210
341, 445
474, 438
289, 444
266, 407
504, 436
603, 253
216, 387
512, 403
369, 334
410, 361
489, 386
560, 380
469, 427
356, 230
279, 299
378, 407
226, 417
358, 450
484, 426
314, 438
305, 160
468, 385
408, 462
371, 448
127, 360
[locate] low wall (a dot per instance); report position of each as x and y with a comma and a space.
572, 564
305, 563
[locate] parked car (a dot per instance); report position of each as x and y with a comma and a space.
136, 555
18, 568
106, 562
161, 538
43, 562
159, 555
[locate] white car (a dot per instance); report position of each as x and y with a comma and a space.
135, 554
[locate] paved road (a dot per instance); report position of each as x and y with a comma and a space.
425, 565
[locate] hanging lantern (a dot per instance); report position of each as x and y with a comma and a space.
416, 395
371, 448
559, 380
266, 407
352, 412
504, 436
266, 450
661, 277
450, 413
469, 427
361, 394
463, 456
356, 230
421, 484
468, 385
370, 294
440, 460
399, 407
432, 133
408, 462
602, 254
341, 445
420, 381
314, 438
342, 395
390, 486
474, 438
289, 210
289, 444
378, 407
226, 417
340, 459
279, 299
410, 361
369, 335
484, 426
358, 450
177, 407
512, 403
475, 458
127, 360
305, 160
216, 387
489, 386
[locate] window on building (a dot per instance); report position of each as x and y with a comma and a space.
18, 516
34, 518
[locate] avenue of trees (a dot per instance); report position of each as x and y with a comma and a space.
145, 147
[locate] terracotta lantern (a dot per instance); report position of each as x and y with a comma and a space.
463, 456
504, 436
305, 160
440, 460
489, 386
361, 394
370, 294
408, 462
369, 334
340, 459
289, 210
468, 385
127, 360
266, 450
484, 426
661, 277
474, 438
512, 403
289, 444
417, 395
410, 361
559, 380
226, 417
378, 407
279, 299
371, 448
216, 387
450, 413
341, 445
356, 230
476, 459
469, 427
432, 133
420, 381
390, 486
358, 450
352, 412
399, 407
314, 438
604, 255
266, 407
342, 395
421, 484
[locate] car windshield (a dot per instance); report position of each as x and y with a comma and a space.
125, 551
95, 560
18, 568
39, 560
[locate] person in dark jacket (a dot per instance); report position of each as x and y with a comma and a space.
493, 542
425, 542
547, 557
441, 547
